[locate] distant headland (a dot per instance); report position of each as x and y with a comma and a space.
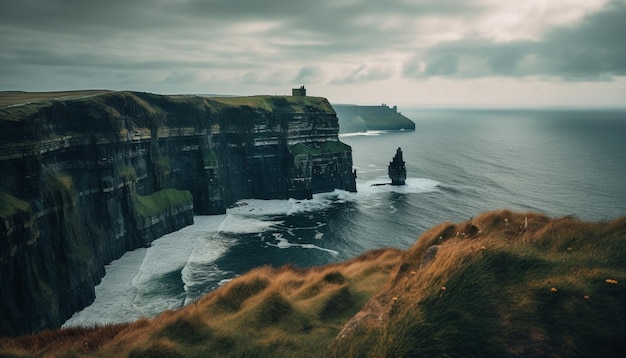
354, 118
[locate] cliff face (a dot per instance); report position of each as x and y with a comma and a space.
353, 118
86, 179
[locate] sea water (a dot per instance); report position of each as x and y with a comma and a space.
459, 163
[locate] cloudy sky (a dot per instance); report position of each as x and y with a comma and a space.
407, 52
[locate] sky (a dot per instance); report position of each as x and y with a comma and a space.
415, 53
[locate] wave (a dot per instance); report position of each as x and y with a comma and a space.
201, 270
245, 224
285, 244
146, 281
258, 208
358, 134
413, 186
114, 295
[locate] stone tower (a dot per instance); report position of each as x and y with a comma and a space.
299, 92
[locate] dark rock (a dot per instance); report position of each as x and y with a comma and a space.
397, 169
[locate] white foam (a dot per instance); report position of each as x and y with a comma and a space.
200, 267
359, 134
127, 291
413, 186
240, 222
171, 252
114, 295
362, 171
285, 244
257, 208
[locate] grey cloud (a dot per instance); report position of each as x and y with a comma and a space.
337, 25
591, 49
309, 74
112, 43
366, 73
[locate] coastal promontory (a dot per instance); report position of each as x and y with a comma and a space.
358, 118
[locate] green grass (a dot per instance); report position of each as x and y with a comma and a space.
127, 174
10, 205
159, 202
327, 147
276, 103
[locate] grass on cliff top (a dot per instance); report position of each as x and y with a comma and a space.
159, 202
10, 205
8, 98
327, 147
472, 289
276, 103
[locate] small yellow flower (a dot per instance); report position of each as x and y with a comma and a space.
413, 273
613, 282
553, 289
443, 288
586, 297
570, 248
483, 248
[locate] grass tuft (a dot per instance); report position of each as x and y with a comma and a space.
230, 298
337, 303
334, 277
272, 309
186, 330
158, 349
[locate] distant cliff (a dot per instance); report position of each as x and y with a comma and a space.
87, 178
353, 118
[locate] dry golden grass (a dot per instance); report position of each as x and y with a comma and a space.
269, 311
481, 288
537, 287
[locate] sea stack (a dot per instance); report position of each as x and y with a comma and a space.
397, 169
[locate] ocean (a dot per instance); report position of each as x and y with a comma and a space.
460, 163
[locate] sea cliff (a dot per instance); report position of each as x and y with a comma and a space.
89, 176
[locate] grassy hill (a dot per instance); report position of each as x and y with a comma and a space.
501, 284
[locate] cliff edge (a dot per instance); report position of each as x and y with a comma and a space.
87, 176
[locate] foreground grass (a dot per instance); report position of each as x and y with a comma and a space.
554, 289
284, 312
482, 288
